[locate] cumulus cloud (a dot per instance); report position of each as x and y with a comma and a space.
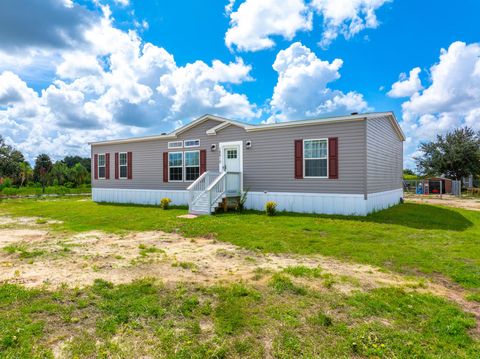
256, 21
42, 23
406, 87
229, 7
346, 17
14, 90
114, 86
302, 89
452, 99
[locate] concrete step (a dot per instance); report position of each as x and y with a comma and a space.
199, 213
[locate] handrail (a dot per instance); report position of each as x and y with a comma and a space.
209, 188
222, 175
199, 179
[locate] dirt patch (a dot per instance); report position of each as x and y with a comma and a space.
188, 216
54, 259
472, 204
79, 259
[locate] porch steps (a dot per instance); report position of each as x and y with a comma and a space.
201, 205
211, 190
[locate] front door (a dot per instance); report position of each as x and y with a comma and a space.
231, 159
231, 163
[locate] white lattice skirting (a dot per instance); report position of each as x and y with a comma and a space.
346, 204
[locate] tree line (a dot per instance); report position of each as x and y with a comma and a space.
15, 170
455, 155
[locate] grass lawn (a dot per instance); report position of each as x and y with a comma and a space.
410, 238
151, 320
289, 313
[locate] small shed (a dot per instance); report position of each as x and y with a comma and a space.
434, 185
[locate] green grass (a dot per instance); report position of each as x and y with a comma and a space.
190, 321
302, 271
145, 250
22, 251
414, 239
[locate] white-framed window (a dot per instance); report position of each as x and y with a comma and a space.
101, 166
315, 158
192, 165
191, 143
122, 165
175, 144
175, 166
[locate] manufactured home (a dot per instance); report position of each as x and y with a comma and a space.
339, 165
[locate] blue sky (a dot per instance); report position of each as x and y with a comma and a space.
105, 69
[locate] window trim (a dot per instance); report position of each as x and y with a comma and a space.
194, 146
319, 158
182, 167
170, 145
185, 167
120, 165
104, 165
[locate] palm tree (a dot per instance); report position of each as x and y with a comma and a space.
43, 165
80, 173
26, 172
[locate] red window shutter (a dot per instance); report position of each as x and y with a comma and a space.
333, 158
95, 166
107, 165
129, 165
116, 165
165, 166
298, 159
203, 161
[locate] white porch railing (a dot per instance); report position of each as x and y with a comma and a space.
200, 185
216, 191
210, 188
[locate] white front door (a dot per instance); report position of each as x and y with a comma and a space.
232, 163
231, 158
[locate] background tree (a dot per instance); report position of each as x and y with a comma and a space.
26, 173
10, 161
59, 173
79, 174
71, 161
43, 166
455, 155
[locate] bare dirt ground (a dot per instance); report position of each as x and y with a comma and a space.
33, 256
469, 203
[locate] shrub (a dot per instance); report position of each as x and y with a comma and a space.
241, 202
69, 184
5, 183
165, 203
10, 191
271, 208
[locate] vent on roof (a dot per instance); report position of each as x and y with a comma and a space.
163, 133
354, 113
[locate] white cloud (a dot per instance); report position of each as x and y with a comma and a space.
303, 88
451, 100
256, 21
14, 90
115, 85
346, 17
406, 87
122, 2
44, 23
229, 7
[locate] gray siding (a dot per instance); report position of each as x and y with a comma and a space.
384, 156
268, 165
